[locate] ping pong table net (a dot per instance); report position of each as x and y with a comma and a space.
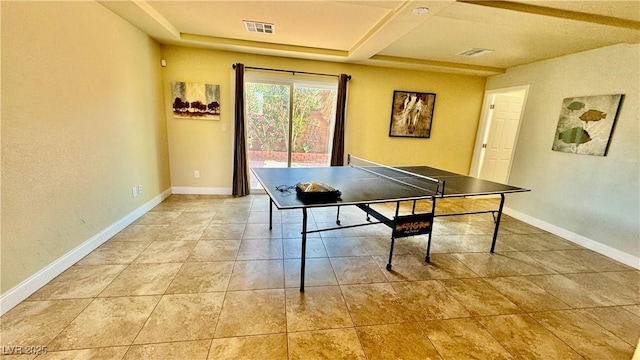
404, 177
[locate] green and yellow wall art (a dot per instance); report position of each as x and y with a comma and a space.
586, 124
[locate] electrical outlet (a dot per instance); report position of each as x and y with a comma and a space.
134, 191
196, 174
139, 189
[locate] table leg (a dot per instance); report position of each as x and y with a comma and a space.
427, 258
393, 240
270, 214
497, 220
303, 256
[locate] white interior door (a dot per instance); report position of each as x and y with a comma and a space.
501, 137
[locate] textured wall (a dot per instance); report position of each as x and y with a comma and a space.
592, 196
202, 145
82, 123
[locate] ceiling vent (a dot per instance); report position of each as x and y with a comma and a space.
259, 27
474, 52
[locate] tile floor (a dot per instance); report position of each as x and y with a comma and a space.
203, 278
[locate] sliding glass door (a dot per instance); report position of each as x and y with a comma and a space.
289, 122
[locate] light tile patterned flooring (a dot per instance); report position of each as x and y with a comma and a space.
203, 278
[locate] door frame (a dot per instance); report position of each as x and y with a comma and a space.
484, 126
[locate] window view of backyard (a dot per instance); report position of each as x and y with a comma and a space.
288, 124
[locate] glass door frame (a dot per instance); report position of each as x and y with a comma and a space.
293, 81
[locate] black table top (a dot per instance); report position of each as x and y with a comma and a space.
368, 185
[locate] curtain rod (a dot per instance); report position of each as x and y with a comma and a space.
293, 72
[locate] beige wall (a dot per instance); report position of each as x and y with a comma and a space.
84, 119
596, 200
202, 145
82, 123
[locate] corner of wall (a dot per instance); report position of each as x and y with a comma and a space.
34, 282
615, 254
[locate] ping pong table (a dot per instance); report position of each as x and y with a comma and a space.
363, 183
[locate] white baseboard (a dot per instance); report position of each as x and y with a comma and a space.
34, 282
189, 190
623, 257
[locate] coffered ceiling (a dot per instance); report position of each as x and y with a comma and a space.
390, 33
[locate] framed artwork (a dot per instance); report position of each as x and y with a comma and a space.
196, 101
412, 114
586, 124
